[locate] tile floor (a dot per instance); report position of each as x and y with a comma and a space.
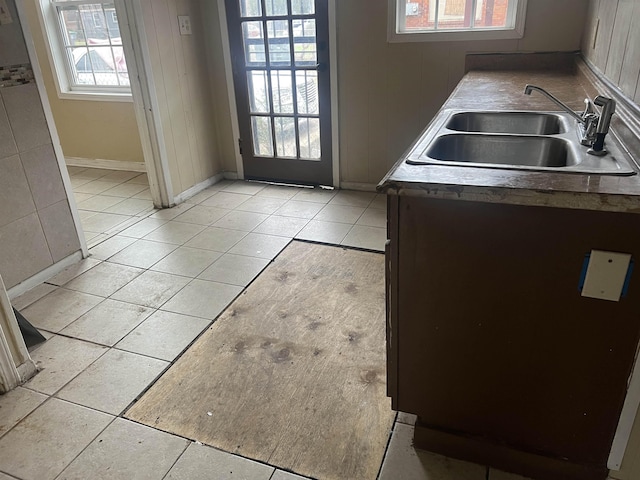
114, 322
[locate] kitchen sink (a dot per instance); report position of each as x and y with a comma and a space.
533, 123
503, 150
515, 140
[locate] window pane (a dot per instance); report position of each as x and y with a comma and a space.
73, 31
302, 7
278, 35
285, 137
250, 8
113, 29
307, 89
82, 71
262, 138
254, 51
281, 90
304, 42
309, 134
121, 65
276, 7
491, 13
258, 91
95, 52
94, 22
455, 14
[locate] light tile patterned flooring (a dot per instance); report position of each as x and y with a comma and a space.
114, 322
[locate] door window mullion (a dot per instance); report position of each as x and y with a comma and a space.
267, 58
294, 84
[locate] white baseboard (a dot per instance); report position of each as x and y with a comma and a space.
106, 164
362, 187
44, 275
230, 175
181, 197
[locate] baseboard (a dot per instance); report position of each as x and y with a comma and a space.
44, 275
106, 164
181, 197
362, 187
27, 370
503, 457
230, 175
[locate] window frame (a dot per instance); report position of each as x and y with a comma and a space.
60, 66
397, 13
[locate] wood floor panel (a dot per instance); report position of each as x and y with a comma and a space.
293, 372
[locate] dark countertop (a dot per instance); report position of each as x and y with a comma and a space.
503, 90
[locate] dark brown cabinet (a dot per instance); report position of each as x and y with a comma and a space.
490, 342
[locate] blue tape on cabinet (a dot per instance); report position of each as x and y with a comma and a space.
583, 273
627, 279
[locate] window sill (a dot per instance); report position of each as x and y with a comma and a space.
96, 96
455, 36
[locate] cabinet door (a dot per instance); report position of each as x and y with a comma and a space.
494, 339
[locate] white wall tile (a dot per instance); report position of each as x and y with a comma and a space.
7, 144
26, 116
59, 230
43, 174
24, 251
15, 195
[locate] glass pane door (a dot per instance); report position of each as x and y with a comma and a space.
281, 74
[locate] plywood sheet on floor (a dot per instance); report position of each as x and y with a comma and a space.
293, 372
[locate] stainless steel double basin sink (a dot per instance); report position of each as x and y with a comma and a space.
519, 140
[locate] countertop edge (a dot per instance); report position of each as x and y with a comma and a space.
515, 196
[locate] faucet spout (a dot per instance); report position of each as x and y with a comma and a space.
529, 88
608, 108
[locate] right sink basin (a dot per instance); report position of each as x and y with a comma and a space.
516, 140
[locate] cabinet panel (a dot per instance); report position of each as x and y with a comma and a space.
495, 340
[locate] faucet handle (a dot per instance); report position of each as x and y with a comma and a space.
589, 108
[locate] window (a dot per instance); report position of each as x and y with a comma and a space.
440, 20
86, 48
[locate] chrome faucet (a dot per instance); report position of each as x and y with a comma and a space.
593, 127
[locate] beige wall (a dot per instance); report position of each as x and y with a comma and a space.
183, 88
389, 92
87, 129
220, 91
616, 50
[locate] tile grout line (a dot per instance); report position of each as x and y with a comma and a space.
386, 448
159, 308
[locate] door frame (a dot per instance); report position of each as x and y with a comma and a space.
143, 97
233, 108
145, 101
15, 363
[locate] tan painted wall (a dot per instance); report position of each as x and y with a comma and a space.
87, 129
616, 50
227, 144
183, 87
389, 92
